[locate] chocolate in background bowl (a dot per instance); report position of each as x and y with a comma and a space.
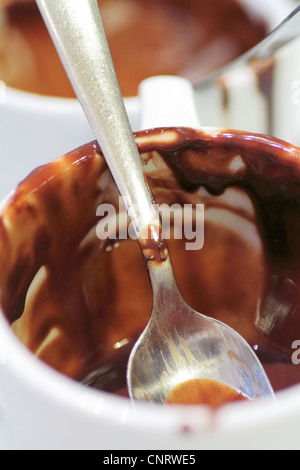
59, 124
146, 38
79, 303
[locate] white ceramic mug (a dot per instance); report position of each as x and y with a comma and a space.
41, 408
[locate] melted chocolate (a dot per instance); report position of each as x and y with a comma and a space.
79, 303
205, 392
146, 38
153, 246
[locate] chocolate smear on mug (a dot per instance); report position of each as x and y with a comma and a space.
79, 303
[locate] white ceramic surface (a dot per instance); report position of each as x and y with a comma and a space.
40, 408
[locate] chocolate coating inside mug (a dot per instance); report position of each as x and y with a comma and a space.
146, 38
79, 303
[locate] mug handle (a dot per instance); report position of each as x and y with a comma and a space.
167, 101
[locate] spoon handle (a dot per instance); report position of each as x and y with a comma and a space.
77, 31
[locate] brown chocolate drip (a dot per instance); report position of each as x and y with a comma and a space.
264, 70
152, 244
225, 92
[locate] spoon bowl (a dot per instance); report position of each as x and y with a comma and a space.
178, 343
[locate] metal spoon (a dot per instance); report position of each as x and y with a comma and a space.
178, 342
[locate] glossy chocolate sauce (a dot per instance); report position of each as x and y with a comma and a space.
204, 392
146, 38
79, 303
